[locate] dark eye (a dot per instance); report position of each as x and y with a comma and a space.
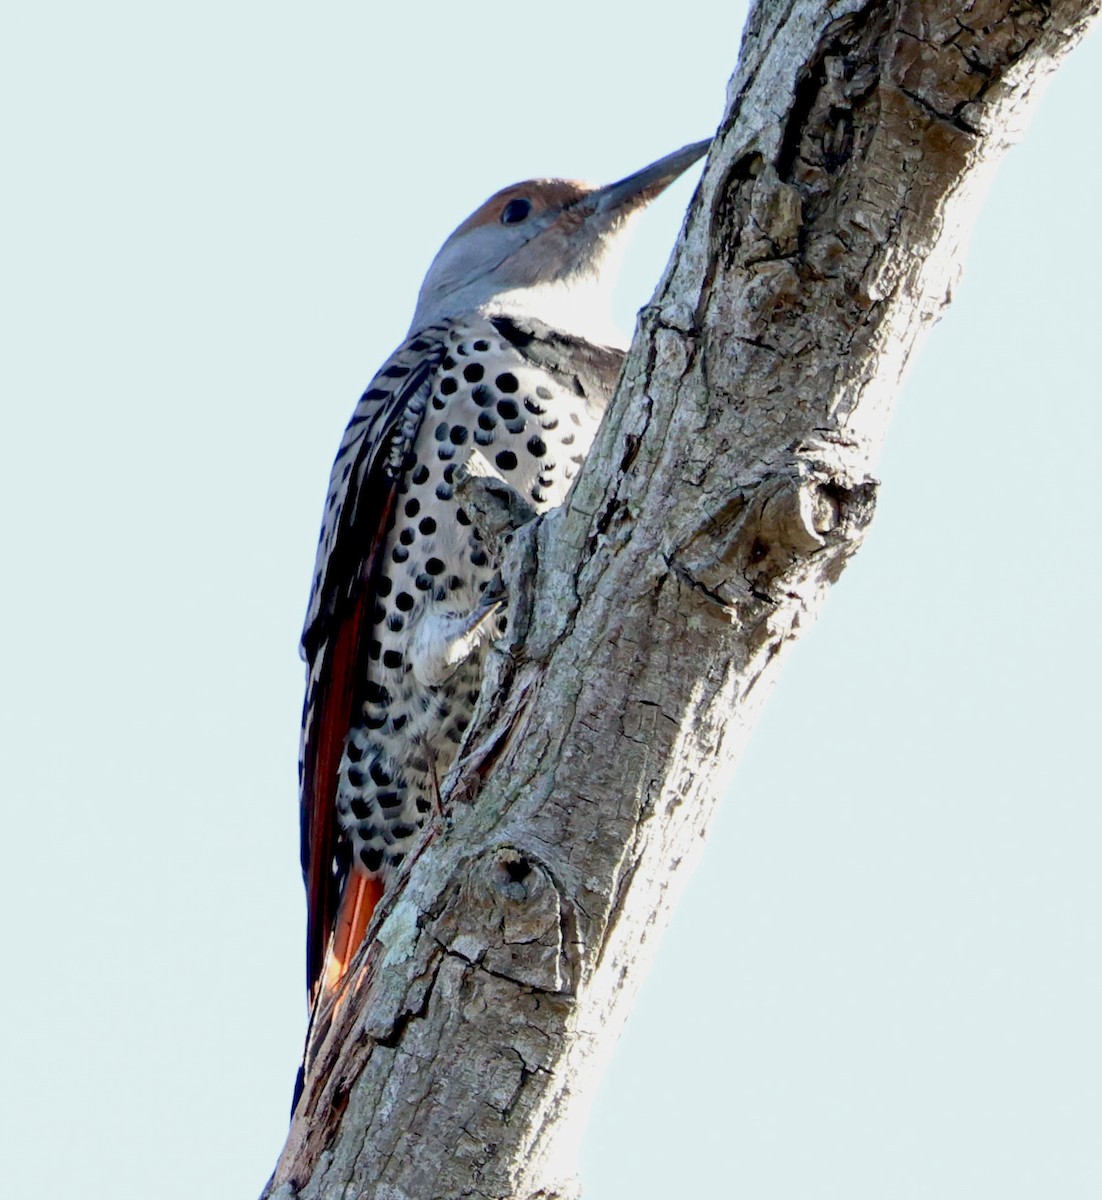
515, 211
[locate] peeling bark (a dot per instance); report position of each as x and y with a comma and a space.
727, 490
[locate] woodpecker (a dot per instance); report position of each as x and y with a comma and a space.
511, 356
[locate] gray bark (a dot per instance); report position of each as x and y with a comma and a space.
728, 488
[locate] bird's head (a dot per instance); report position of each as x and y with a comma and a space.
544, 248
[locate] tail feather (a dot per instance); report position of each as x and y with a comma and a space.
357, 903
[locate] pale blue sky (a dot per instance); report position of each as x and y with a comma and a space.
216, 219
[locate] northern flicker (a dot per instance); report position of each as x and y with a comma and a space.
511, 356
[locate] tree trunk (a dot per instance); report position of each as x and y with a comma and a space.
728, 487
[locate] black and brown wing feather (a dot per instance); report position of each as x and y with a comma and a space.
359, 508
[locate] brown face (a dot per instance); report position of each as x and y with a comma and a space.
521, 202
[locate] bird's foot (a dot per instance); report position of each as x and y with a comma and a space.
445, 639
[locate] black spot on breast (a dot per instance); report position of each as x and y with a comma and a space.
482, 396
479, 557
423, 582
458, 435
537, 447
356, 777
507, 381
473, 372
413, 506
406, 536
374, 649
401, 831
380, 776
533, 407
461, 517
441, 431
448, 385
395, 622
434, 566
423, 805
445, 453
482, 438
388, 799
449, 473
404, 601
420, 475
371, 858
482, 345
361, 810
506, 460
486, 420
448, 362
443, 492
392, 659
508, 409
427, 526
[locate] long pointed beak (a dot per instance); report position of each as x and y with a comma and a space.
636, 190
